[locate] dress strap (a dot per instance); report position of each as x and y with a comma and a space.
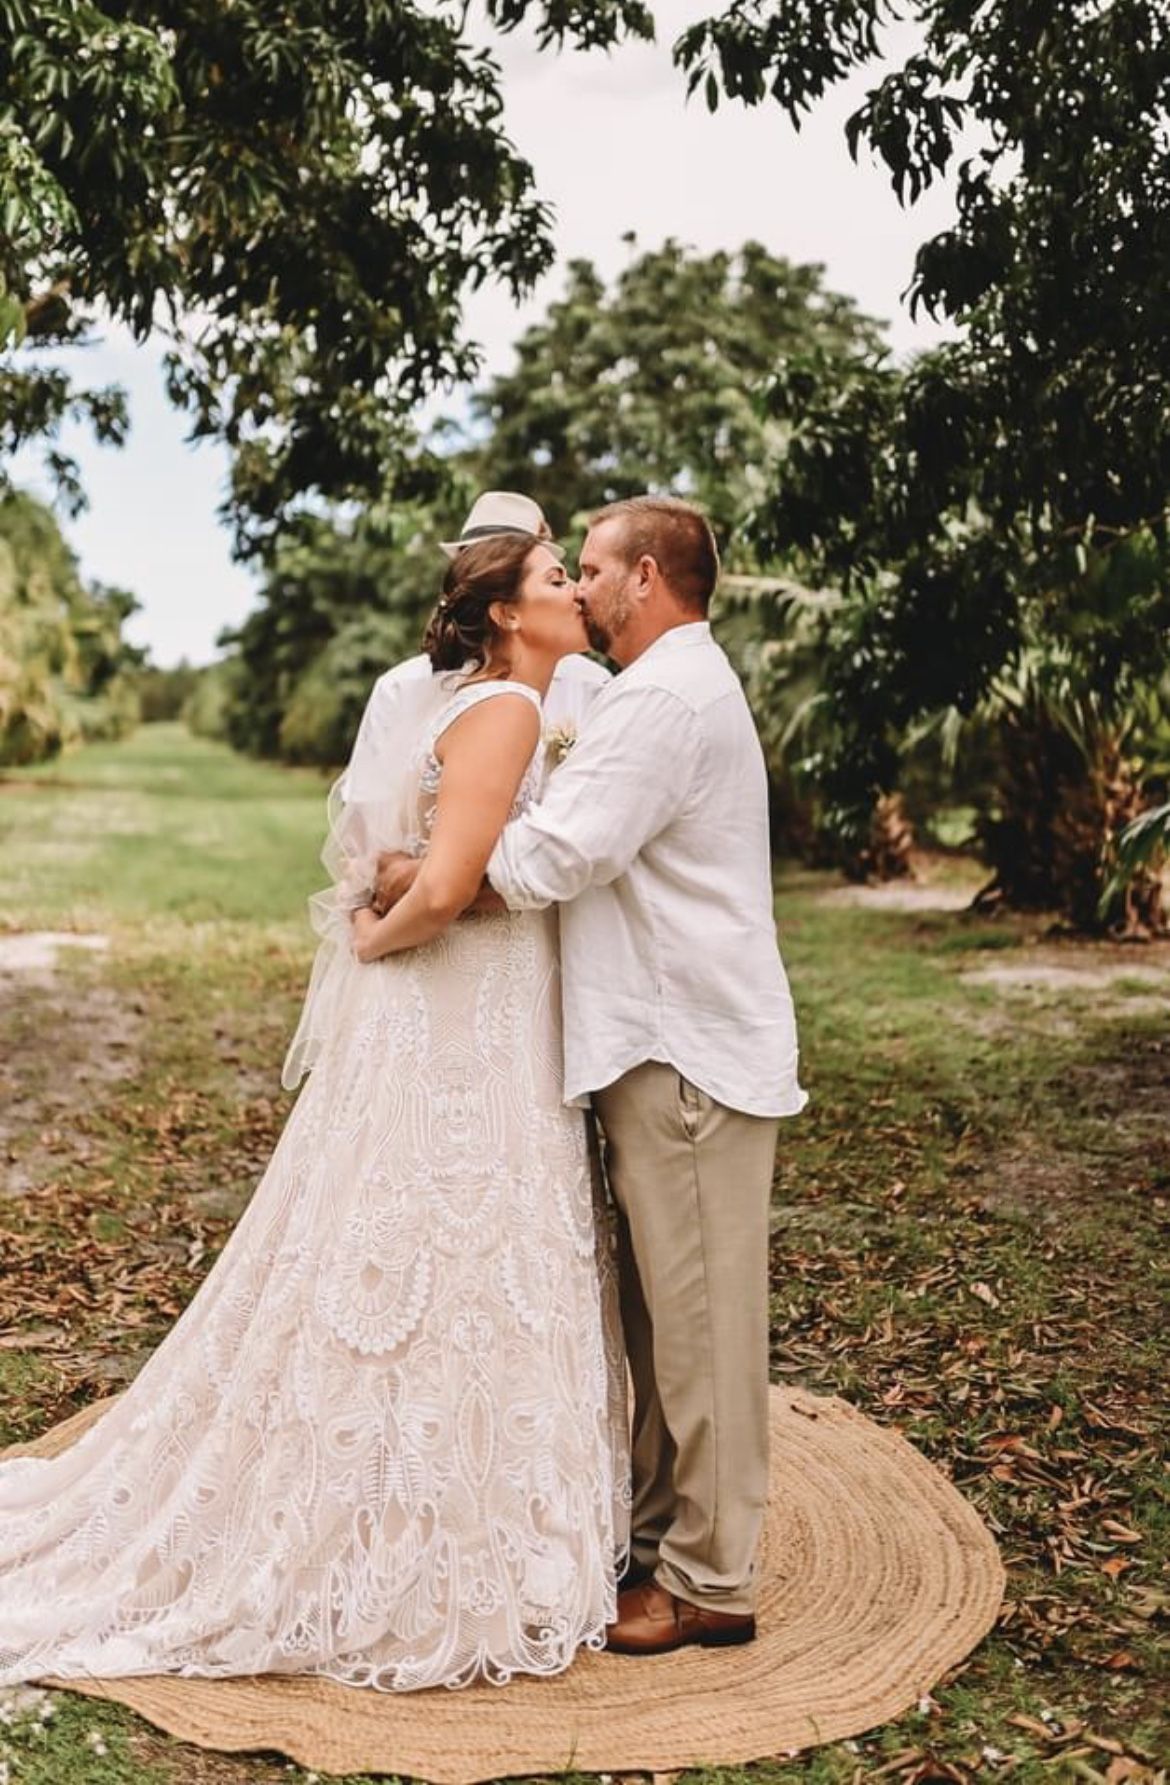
473, 696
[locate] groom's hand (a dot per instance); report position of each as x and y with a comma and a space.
487, 899
394, 878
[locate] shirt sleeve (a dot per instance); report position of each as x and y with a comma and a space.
629, 774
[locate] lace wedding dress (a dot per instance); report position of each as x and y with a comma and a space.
386, 1442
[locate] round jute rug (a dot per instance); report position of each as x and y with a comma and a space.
877, 1578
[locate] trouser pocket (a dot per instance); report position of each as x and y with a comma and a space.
690, 1103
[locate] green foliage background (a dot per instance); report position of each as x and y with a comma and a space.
299, 212
66, 674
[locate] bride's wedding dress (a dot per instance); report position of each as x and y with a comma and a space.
386, 1441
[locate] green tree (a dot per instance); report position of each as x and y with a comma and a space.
1012, 491
650, 386
65, 670
163, 694
296, 203
107, 703
1140, 852
340, 603
216, 691
653, 385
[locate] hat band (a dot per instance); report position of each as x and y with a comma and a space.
470, 533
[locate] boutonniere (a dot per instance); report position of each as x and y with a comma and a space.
558, 741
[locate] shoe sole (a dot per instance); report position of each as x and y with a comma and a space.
703, 1639
727, 1639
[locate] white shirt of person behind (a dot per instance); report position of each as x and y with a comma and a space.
576, 683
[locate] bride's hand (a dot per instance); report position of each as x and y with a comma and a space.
364, 923
396, 874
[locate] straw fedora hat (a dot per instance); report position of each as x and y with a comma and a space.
501, 511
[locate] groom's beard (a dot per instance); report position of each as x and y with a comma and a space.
596, 634
601, 634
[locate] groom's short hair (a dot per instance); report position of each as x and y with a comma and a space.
677, 536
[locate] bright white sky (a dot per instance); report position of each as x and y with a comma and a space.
615, 148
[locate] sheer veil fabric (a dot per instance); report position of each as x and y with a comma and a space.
372, 806
387, 1441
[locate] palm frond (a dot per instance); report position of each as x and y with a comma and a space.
1138, 846
799, 720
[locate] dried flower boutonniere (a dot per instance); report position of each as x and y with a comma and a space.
558, 741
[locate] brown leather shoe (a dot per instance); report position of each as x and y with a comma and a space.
651, 1621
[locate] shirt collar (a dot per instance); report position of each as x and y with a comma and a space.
695, 632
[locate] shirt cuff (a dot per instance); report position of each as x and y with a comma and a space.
502, 878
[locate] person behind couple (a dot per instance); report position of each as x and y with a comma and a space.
652, 838
386, 1442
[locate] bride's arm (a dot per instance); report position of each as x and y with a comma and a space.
484, 754
397, 873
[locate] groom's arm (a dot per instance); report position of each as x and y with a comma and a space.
630, 773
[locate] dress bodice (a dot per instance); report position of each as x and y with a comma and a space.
431, 769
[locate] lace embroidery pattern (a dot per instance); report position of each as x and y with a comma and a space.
386, 1442
430, 769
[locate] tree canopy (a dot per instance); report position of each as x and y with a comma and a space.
653, 385
650, 384
998, 517
1032, 455
298, 204
300, 208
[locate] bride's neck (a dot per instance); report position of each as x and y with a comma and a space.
533, 669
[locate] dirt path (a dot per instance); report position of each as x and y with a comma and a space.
64, 1038
899, 895
1114, 979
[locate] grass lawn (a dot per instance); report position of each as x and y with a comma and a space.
970, 1233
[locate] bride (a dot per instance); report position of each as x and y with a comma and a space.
386, 1442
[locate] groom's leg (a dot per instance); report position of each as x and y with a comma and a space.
652, 1448
694, 1182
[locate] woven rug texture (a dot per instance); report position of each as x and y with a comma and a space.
878, 1577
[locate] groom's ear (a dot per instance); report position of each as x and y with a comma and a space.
648, 571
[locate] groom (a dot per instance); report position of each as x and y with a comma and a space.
652, 838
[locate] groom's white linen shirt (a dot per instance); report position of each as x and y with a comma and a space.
652, 836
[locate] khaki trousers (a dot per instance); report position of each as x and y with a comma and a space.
691, 1181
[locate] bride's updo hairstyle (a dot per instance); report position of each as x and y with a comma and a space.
462, 633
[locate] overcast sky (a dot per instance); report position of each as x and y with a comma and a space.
615, 149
